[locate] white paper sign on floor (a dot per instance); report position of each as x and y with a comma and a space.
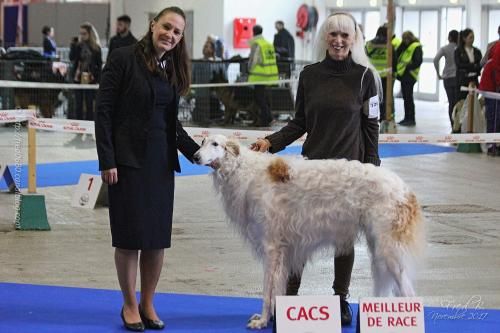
391, 315
311, 314
90, 191
6, 175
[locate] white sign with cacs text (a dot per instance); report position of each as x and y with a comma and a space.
391, 315
308, 314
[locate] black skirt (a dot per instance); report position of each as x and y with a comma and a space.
141, 203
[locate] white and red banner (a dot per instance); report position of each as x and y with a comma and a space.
62, 125
14, 116
244, 136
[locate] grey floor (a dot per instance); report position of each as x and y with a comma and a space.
459, 193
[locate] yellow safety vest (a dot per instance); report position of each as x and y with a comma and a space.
396, 42
268, 69
378, 57
405, 59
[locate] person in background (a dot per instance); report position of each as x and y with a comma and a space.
409, 59
487, 54
262, 67
467, 61
87, 63
490, 81
138, 134
209, 69
377, 52
337, 106
123, 35
220, 49
283, 42
449, 75
49, 44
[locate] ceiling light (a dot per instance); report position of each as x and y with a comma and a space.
373, 3
412, 2
340, 3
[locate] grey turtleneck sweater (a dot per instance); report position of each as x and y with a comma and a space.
332, 107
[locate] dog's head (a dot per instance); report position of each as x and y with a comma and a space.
214, 148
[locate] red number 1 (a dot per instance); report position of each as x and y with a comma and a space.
91, 179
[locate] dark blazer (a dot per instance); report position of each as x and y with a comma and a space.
49, 47
95, 63
125, 103
466, 70
118, 41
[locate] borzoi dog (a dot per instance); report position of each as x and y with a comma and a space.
289, 207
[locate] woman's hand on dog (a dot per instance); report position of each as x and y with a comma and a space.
261, 145
110, 176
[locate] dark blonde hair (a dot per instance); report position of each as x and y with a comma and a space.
93, 36
177, 69
410, 36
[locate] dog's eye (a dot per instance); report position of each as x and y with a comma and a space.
215, 144
202, 142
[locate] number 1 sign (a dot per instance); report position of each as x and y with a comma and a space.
89, 192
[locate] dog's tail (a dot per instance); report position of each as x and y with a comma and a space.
408, 228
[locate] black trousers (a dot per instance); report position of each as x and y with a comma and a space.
87, 96
384, 102
407, 91
450, 85
262, 100
343, 271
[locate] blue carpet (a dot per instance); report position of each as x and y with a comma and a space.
46, 309
68, 173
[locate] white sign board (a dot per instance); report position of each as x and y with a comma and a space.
391, 315
308, 314
90, 190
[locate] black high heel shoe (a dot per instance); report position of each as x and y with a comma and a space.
149, 323
136, 327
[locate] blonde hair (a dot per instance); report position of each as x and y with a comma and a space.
94, 42
346, 23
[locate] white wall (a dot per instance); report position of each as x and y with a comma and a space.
267, 12
216, 16
208, 17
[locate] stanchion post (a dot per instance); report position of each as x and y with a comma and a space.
470, 147
32, 213
470, 108
388, 124
31, 160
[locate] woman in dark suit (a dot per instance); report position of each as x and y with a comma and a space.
467, 60
138, 134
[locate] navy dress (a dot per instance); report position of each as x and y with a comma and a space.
142, 202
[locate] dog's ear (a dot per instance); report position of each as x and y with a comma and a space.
233, 147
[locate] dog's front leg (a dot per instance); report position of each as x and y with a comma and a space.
272, 267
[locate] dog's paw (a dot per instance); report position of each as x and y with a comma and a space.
256, 322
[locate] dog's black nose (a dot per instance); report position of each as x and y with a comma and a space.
196, 157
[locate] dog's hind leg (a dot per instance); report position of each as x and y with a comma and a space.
404, 285
274, 277
390, 273
383, 281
